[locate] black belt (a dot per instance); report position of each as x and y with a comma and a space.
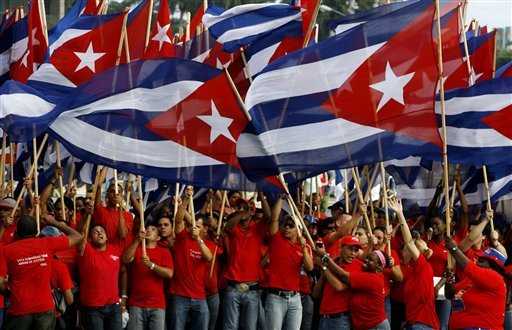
282, 293
250, 287
334, 316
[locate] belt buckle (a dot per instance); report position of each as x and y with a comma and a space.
243, 287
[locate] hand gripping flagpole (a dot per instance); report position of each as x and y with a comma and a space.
361, 199
141, 212
61, 185
443, 123
385, 200
87, 222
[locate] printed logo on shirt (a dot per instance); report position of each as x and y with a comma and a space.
115, 258
40, 259
195, 254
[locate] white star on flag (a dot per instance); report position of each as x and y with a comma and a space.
161, 36
219, 125
392, 87
88, 59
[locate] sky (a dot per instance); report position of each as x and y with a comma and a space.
494, 13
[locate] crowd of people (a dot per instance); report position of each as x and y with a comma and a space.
236, 263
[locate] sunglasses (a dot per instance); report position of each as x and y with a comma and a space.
289, 225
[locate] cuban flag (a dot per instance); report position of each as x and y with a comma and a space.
478, 123
241, 25
481, 57
88, 47
94, 7
161, 40
13, 45
67, 20
170, 119
356, 98
500, 185
139, 20
347, 22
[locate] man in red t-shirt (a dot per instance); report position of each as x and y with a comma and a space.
288, 253
192, 256
26, 263
245, 236
335, 301
99, 282
147, 274
419, 293
117, 223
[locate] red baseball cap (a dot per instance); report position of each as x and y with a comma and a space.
350, 241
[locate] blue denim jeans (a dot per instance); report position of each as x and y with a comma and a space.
340, 322
508, 320
443, 310
387, 307
146, 318
240, 307
103, 318
283, 312
193, 310
384, 325
213, 307
308, 308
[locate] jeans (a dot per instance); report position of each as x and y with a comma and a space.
213, 308
308, 308
508, 320
39, 321
387, 307
241, 305
443, 310
103, 318
340, 322
188, 309
419, 326
283, 312
384, 325
146, 318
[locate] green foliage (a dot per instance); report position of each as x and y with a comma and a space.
503, 57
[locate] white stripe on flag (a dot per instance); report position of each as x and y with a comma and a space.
476, 138
163, 153
299, 138
345, 27
260, 60
49, 74
331, 72
24, 104
209, 19
480, 103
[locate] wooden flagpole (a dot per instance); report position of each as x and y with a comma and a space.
87, 222
148, 27
36, 183
61, 185
141, 212
2, 163
311, 196
307, 37
346, 192
368, 197
361, 199
11, 165
29, 176
175, 211
219, 228
385, 200
466, 49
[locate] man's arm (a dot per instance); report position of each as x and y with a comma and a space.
74, 237
129, 254
264, 205
276, 212
205, 251
308, 258
159, 270
406, 232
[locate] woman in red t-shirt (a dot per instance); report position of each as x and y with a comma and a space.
479, 299
367, 291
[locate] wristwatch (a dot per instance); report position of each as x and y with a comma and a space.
453, 249
324, 268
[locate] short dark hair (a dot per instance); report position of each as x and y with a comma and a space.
26, 227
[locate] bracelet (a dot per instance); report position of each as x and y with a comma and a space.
123, 296
325, 258
200, 241
152, 266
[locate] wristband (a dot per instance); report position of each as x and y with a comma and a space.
152, 266
325, 258
200, 241
124, 296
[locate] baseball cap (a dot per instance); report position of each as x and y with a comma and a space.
350, 241
7, 203
310, 220
495, 256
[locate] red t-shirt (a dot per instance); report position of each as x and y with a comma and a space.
439, 257
99, 276
419, 293
70, 258
333, 301
108, 218
61, 279
367, 299
146, 286
244, 256
285, 263
8, 236
388, 272
28, 265
333, 248
483, 300
190, 267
